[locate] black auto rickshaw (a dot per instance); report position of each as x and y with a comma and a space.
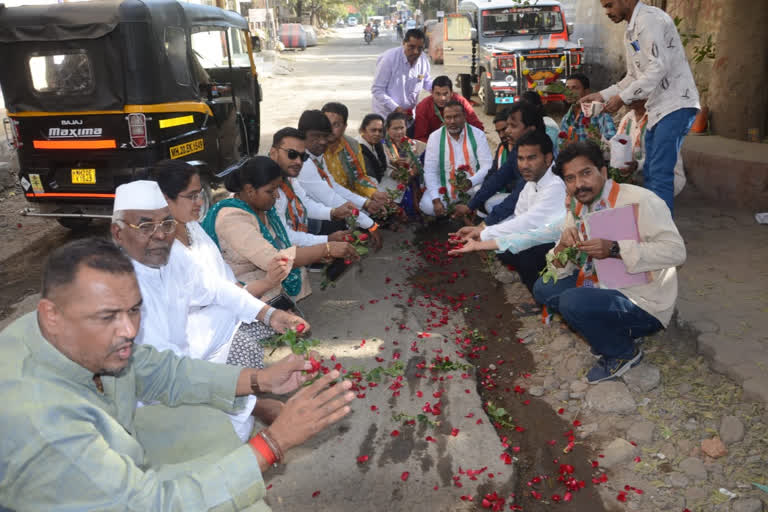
97, 92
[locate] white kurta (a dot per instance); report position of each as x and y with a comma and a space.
635, 130
170, 293
432, 160
209, 328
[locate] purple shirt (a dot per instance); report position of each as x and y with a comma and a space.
397, 83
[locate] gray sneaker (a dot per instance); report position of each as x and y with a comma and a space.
610, 368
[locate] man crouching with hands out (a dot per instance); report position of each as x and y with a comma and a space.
611, 319
71, 375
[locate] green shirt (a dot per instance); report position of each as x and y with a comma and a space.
67, 446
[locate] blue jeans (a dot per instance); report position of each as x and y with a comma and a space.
607, 319
662, 145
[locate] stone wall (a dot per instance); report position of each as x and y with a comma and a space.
700, 17
603, 39
604, 51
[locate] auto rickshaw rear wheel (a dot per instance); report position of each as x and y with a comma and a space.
76, 224
207, 197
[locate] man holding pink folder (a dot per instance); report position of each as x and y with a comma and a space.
620, 282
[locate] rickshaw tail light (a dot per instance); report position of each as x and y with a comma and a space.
137, 129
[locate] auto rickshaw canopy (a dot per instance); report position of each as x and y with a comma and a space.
133, 52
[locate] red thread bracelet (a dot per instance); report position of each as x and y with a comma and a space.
261, 447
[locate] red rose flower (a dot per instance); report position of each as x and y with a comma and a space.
300, 328
623, 142
562, 135
363, 237
403, 140
400, 186
442, 190
585, 121
355, 212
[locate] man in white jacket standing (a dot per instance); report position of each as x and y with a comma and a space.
657, 71
608, 318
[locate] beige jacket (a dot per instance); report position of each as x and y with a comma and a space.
660, 251
248, 253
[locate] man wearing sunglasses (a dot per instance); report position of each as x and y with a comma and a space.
293, 205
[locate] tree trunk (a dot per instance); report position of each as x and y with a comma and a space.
738, 93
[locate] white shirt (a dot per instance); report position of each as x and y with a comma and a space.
299, 238
171, 291
540, 203
432, 159
657, 68
332, 196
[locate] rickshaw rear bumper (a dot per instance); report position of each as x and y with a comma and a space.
75, 210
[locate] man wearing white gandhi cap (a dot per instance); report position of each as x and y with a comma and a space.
142, 225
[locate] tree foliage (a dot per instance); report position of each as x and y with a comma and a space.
328, 11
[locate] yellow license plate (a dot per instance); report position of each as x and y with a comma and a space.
187, 148
83, 176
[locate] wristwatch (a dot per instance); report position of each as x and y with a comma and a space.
615, 251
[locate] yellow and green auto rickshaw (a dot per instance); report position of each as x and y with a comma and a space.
97, 92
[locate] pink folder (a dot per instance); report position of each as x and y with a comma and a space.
615, 224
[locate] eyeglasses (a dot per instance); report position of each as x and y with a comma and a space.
194, 196
148, 229
293, 154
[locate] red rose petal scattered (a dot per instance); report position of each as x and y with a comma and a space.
362, 459
374, 408
454, 432
395, 433
560, 411
576, 423
404, 476
316, 494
